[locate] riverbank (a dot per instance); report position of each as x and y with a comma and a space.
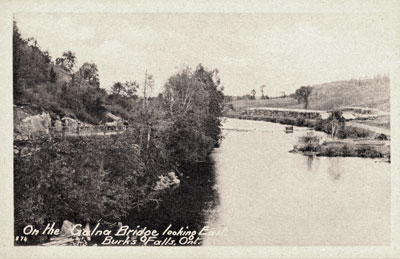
360, 142
185, 207
350, 148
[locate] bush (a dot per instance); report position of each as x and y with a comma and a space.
346, 151
79, 179
381, 137
309, 142
368, 151
330, 151
354, 132
300, 122
324, 126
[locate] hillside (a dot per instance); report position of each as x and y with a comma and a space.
372, 93
57, 87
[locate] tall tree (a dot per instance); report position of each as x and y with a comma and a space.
302, 95
337, 122
184, 93
147, 88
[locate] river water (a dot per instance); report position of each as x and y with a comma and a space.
268, 196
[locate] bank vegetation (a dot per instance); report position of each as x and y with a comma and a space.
89, 179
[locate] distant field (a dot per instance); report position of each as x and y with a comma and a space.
372, 93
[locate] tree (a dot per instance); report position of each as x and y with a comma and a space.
89, 73
68, 60
130, 89
302, 95
184, 93
253, 94
30, 65
337, 122
117, 88
194, 101
148, 84
53, 75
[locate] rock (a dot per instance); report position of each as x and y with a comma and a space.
58, 126
71, 124
32, 125
168, 181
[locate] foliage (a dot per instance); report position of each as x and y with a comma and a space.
30, 65
93, 178
354, 132
53, 75
309, 142
35, 82
381, 137
128, 89
89, 73
302, 95
88, 178
368, 151
253, 94
347, 151
68, 60
337, 123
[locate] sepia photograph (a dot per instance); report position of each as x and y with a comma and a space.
202, 129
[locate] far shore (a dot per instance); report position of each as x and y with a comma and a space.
373, 146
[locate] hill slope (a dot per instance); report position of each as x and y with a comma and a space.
372, 93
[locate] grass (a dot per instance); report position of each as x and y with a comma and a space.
355, 132
373, 93
348, 150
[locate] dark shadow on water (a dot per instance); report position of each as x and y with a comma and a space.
309, 162
185, 206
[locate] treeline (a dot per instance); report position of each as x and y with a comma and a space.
91, 179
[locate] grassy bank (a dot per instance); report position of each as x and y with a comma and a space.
346, 149
352, 141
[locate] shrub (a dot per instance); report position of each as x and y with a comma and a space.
79, 179
329, 151
346, 151
381, 137
368, 151
300, 122
354, 132
309, 142
323, 125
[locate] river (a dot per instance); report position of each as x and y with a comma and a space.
268, 196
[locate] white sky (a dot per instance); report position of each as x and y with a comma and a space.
282, 51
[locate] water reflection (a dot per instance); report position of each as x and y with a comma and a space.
187, 206
268, 196
335, 171
309, 162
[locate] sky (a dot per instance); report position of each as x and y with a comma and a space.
281, 51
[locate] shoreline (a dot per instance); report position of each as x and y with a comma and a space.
347, 147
